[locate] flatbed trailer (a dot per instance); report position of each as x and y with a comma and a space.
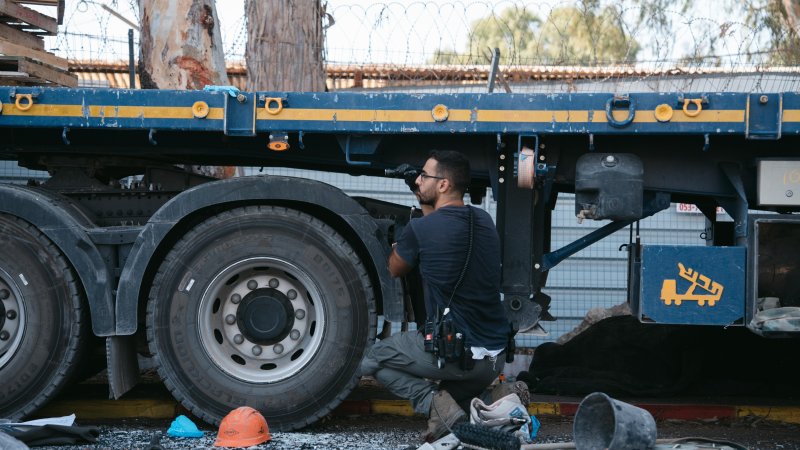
266, 290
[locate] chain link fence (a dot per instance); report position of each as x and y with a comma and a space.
566, 46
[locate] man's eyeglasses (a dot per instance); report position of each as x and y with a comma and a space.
424, 175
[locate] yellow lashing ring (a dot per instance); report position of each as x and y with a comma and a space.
440, 113
270, 110
697, 101
664, 112
24, 107
200, 110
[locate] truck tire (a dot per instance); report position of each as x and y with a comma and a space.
43, 319
261, 306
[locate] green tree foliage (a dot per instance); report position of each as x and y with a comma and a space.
513, 31
568, 35
581, 36
779, 18
608, 32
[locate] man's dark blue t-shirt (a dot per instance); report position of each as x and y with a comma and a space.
437, 243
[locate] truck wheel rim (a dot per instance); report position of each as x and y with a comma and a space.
261, 320
12, 318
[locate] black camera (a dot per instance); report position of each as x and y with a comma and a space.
408, 173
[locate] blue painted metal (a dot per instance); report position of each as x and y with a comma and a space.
693, 285
764, 116
240, 114
371, 113
358, 146
658, 202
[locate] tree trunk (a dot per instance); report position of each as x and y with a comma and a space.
792, 8
791, 50
181, 45
284, 45
181, 48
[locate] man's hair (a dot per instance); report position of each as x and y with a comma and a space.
454, 166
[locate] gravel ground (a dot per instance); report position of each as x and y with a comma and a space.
381, 432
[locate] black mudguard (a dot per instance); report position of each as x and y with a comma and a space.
315, 197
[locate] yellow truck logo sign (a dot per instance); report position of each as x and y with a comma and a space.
710, 291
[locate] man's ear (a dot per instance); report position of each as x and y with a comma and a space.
445, 185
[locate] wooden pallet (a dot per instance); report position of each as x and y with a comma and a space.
25, 61
26, 19
19, 70
41, 2
59, 4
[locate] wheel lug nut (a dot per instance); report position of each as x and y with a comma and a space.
295, 335
278, 349
4, 294
273, 283
238, 339
11, 315
252, 285
4, 335
299, 314
230, 319
236, 298
292, 294
257, 350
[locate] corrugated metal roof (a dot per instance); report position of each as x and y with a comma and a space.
116, 75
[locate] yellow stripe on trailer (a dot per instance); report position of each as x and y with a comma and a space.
487, 115
791, 115
375, 115
111, 112
360, 115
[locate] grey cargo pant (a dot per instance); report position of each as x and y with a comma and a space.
401, 364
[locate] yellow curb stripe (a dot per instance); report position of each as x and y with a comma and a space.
394, 407
98, 409
536, 409
786, 414
111, 409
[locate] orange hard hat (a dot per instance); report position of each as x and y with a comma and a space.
242, 427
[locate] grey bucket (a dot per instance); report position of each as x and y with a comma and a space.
604, 423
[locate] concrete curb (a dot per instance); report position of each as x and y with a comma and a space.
99, 409
660, 411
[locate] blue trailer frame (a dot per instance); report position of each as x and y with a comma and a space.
625, 156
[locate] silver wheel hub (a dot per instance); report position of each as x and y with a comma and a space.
12, 318
261, 320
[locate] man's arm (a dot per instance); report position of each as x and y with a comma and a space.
397, 266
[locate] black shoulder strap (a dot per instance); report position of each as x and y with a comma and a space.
469, 256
